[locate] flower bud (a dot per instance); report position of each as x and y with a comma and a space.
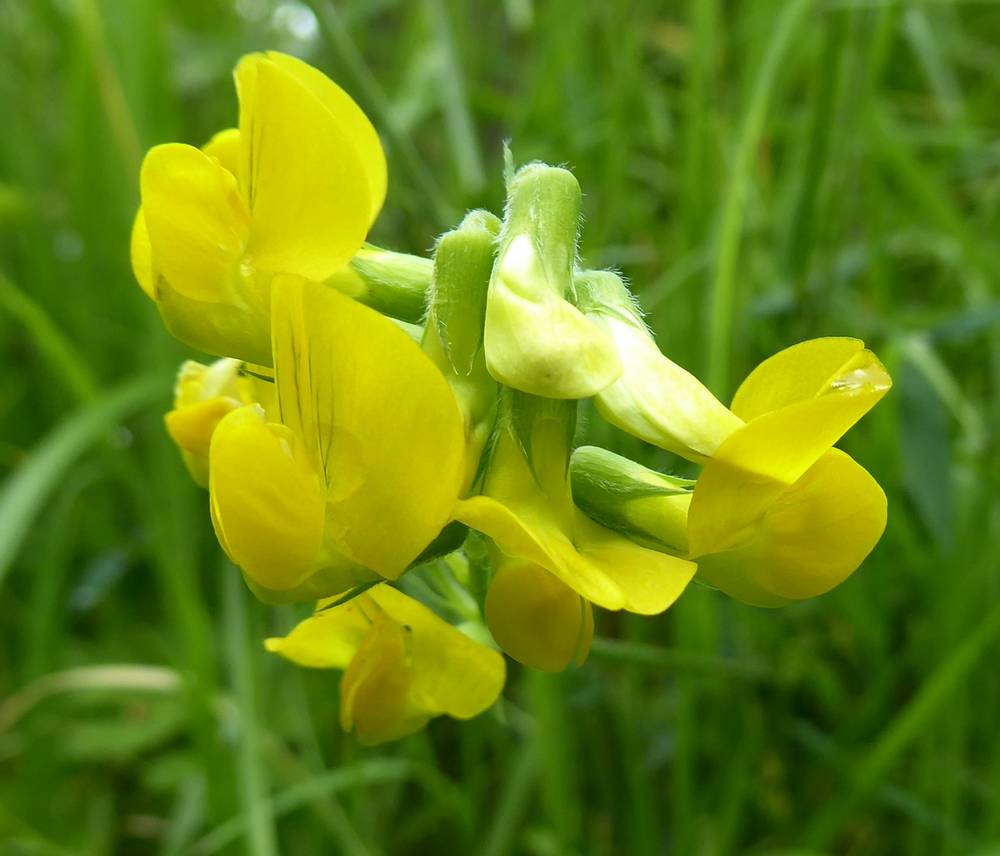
654, 399
536, 340
647, 506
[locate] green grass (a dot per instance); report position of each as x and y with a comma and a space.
763, 172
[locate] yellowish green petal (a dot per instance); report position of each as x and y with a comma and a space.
810, 539
301, 174
538, 619
267, 503
377, 419
196, 222
350, 117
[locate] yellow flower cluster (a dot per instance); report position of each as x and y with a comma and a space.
371, 411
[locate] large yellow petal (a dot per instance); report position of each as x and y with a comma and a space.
450, 673
538, 619
196, 222
811, 539
304, 181
761, 460
352, 119
225, 148
377, 420
267, 502
803, 371
141, 255
328, 639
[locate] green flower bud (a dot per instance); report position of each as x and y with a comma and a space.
654, 399
453, 334
536, 340
649, 507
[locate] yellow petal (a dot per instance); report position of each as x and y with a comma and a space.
375, 690
538, 619
301, 174
801, 372
195, 219
192, 427
225, 148
810, 540
602, 566
761, 460
142, 256
377, 419
328, 639
266, 500
351, 119
450, 673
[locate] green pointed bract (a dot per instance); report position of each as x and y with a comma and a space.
536, 340
647, 506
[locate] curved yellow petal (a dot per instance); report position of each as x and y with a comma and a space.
811, 539
770, 453
196, 221
267, 502
450, 673
141, 256
602, 566
375, 691
301, 174
803, 371
225, 148
538, 619
328, 639
377, 420
351, 118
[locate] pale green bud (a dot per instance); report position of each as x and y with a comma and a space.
453, 333
649, 507
536, 340
654, 399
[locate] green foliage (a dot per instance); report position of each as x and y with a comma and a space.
763, 173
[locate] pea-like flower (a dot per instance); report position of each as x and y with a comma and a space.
777, 514
293, 190
553, 561
360, 467
402, 664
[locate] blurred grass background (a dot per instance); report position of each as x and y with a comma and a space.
764, 172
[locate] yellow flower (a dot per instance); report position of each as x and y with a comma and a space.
361, 466
777, 514
554, 561
294, 190
203, 394
402, 664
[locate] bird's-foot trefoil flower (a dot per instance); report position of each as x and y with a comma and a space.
361, 467
402, 664
553, 561
293, 190
537, 341
776, 514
